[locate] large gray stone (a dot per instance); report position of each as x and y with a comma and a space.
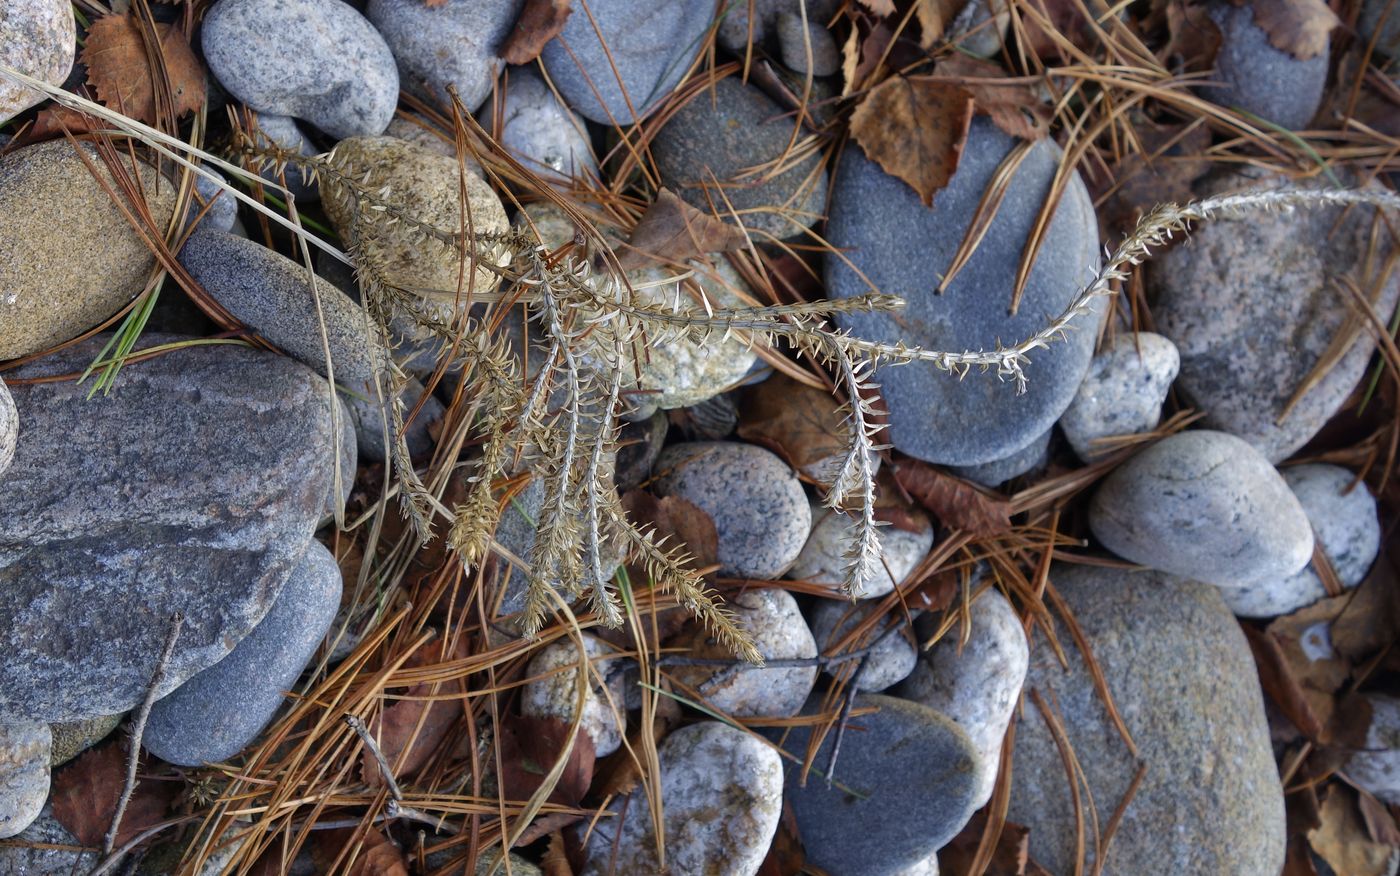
269, 293
284, 133
903, 247
555, 672
455, 43
194, 486
631, 53
1203, 505
1254, 304
51, 208
24, 775
1186, 686
891, 657
371, 418
708, 151
743, 20
914, 772
213, 715
37, 38
317, 60
1260, 79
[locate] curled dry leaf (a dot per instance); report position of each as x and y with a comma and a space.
1164, 171
539, 22
879, 7
955, 502
84, 796
1342, 840
672, 231
914, 127
530, 746
120, 67
800, 423
679, 521
1301, 28
1015, 107
934, 17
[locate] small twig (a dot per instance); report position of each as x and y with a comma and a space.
395, 809
138, 729
846, 706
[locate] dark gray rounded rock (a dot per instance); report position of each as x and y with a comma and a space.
34, 853
9, 427
371, 418
992, 474
284, 133
1260, 79
807, 47
194, 486
1253, 304
760, 512
1203, 505
317, 60
639, 444
269, 293
915, 771
454, 43
213, 715
223, 206
1186, 686
649, 46
903, 247
708, 150
534, 126
757, 20
24, 775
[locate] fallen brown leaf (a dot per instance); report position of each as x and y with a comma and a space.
530, 746
56, 121
398, 730
673, 231
1341, 840
915, 129
683, 521
85, 793
800, 423
879, 7
955, 502
1192, 36
1380, 823
1164, 171
377, 855
120, 68
934, 17
1067, 20
555, 861
1301, 28
539, 22
862, 55
1010, 857
1015, 107
1369, 619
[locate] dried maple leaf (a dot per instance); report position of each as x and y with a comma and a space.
934, 17
530, 746
85, 793
673, 231
539, 22
120, 70
1192, 36
404, 726
1015, 107
954, 501
915, 129
1301, 28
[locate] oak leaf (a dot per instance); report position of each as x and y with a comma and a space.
955, 502
673, 231
1015, 107
915, 129
1301, 28
85, 793
539, 22
120, 69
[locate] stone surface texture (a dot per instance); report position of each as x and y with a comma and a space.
892, 655
24, 775
554, 691
1123, 392
542, 133
822, 560
1259, 78
453, 43
38, 38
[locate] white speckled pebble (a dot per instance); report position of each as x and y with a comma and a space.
553, 693
822, 560
39, 38
722, 791
540, 131
446, 44
976, 684
1123, 392
772, 619
9, 427
24, 775
1377, 768
889, 662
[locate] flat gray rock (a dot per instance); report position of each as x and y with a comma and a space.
708, 151
1203, 505
823, 557
38, 858
1123, 392
1185, 683
916, 772
38, 38
24, 775
997, 472
455, 43
760, 512
194, 486
534, 126
553, 692
891, 658
1254, 303
757, 20
212, 716
269, 293
317, 60
904, 248
649, 46
1260, 79
9, 427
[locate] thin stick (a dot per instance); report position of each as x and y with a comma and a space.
138, 729
395, 809
846, 706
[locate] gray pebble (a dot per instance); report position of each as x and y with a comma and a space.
1260, 79
708, 150
223, 206
284, 133
979, 31
9, 427
24, 775
757, 504
349, 459
72, 738
535, 127
455, 43
1203, 505
649, 46
414, 129
212, 716
916, 772
741, 20
1345, 525
371, 418
890, 660
1376, 768
723, 789
269, 293
976, 682
639, 444
37, 857
771, 618
822, 560
1383, 17
38, 38
554, 691
317, 60
903, 247
1030, 458
1123, 392
807, 48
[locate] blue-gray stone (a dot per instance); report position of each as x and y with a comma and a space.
455, 43
370, 416
283, 132
999, 471
742, 21
915, 772
194, 487
269, 293
1380, 19
707, 153
904, 248
223, 206
317, 60
1260, 79
543, 134
650, 45
213, 715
